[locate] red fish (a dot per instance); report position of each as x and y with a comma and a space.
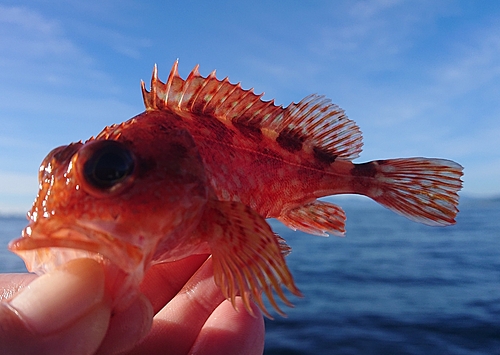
199, 172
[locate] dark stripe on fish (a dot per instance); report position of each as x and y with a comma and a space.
290, 140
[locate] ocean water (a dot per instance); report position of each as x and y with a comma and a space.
390, 287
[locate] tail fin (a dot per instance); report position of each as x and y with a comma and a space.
423, 190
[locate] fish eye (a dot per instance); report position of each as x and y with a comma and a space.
107, 164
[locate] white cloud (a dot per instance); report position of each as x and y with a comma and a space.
413, 89
52, 92
17, 192
373, 33
15, 183
36, 52
369, 9
27, 20
124, 44
26, 35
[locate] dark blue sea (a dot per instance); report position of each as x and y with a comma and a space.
390, 287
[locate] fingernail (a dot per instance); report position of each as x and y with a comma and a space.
59, 298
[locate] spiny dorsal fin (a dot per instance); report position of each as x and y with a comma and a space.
314, 124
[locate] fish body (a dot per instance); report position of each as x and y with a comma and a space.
199, 172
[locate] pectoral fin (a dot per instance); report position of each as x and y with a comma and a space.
248, 258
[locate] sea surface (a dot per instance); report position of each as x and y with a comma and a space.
391, 286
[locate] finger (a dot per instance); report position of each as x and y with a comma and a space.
128, 327
11, 284
229, 331
15, 337
163, 281
176, 327
65, 311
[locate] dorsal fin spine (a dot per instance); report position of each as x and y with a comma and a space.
315, 124
251, 104
154, 81
191, 89
220, 107
267, 110
211, 89
196, 98
240, 103
174, 73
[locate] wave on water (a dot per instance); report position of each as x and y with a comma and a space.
390, 287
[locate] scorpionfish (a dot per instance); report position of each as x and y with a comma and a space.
200, 171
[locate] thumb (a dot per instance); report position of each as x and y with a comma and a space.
62, 312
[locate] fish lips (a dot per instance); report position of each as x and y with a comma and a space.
43, 251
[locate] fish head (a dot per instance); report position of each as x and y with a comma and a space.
118, 197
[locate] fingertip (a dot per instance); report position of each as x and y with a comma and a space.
127, 328
169, 278
55, 300
232, 331
15, 337
64, 311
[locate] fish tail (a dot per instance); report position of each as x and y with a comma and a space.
421, 189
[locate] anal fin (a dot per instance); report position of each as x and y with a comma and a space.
317, 217
248, 257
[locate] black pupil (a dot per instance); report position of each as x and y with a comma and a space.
109, 165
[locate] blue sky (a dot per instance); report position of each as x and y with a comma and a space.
421, 78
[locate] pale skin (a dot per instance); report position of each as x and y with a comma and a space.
180, 311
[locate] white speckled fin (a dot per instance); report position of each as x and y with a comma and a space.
247, 257
315, 124
317, 217
424, 190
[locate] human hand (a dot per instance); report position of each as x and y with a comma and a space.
192, 315
68, 311
61, 312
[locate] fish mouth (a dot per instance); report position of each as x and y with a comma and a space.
44, 251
